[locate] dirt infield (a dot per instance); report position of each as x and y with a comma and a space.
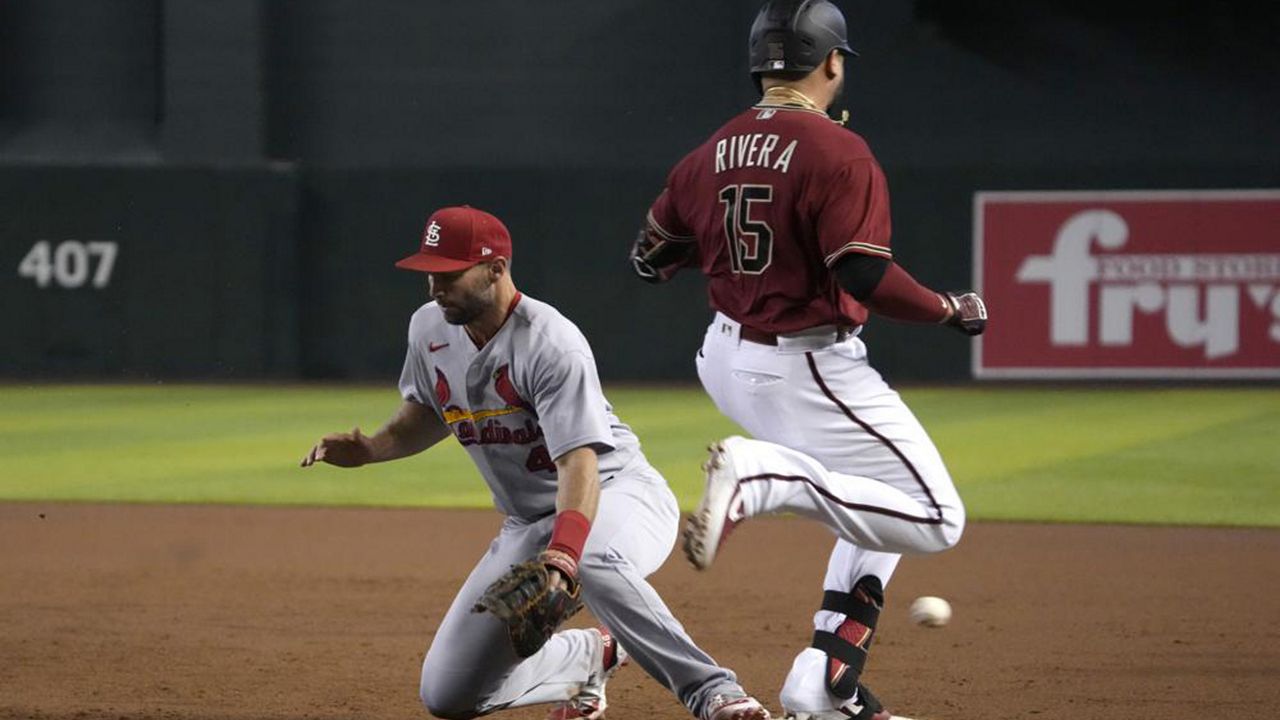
216, 612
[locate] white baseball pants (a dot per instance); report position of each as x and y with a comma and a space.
836, 444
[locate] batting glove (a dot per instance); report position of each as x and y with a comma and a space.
968, 313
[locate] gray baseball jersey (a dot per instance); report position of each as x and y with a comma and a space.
527, 397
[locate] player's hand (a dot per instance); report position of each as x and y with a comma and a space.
642, 250
530, 598
561, 568
656, 260
351, 449
968, 314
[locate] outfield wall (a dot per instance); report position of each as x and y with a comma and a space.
142, 272
260, 168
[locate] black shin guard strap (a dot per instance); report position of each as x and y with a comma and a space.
851, 607
847, 658
869, 704
843, 650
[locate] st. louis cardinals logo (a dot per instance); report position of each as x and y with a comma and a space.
431, 236
484, 427
442, 389
507, 390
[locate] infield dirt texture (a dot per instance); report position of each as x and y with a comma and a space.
174, 612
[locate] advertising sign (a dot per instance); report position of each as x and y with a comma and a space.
1129, 284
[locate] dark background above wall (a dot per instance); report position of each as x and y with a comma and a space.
316, 137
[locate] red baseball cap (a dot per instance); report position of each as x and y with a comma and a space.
456, 238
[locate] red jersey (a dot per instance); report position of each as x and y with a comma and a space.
773, 199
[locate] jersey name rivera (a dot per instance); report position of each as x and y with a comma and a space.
753, 150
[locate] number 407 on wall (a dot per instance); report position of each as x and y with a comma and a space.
68, 263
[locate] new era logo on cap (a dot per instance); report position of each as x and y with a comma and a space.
455, 238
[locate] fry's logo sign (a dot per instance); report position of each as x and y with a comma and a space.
1146, 283
1129, 284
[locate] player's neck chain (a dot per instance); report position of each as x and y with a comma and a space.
782, 95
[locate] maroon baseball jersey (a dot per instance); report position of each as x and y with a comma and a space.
773, 199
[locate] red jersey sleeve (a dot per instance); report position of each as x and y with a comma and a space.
664, 220
664, 217
853, 214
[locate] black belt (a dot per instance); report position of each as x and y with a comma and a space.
761, 337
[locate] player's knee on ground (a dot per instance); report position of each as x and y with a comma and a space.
445, 699
445, 708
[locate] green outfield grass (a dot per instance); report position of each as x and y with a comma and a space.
1149, 455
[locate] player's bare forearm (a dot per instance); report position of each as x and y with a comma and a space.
414, 428
578, 485
577, 497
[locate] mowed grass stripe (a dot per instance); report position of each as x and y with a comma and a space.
1155, 455
992, 444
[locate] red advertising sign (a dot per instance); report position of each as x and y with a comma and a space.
1126, 284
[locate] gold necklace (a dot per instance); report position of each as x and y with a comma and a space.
783, 95
790, 96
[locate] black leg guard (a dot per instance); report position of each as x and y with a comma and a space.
847, 647
866, 706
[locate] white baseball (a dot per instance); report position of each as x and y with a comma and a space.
930, 611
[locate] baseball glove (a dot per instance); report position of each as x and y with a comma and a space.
531, 606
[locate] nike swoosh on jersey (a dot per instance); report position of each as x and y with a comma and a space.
432, 347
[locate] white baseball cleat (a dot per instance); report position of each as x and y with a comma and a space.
589, 703
745, 707
840, 715
719, 512
864, 706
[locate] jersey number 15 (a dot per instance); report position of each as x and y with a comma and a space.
750, 241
